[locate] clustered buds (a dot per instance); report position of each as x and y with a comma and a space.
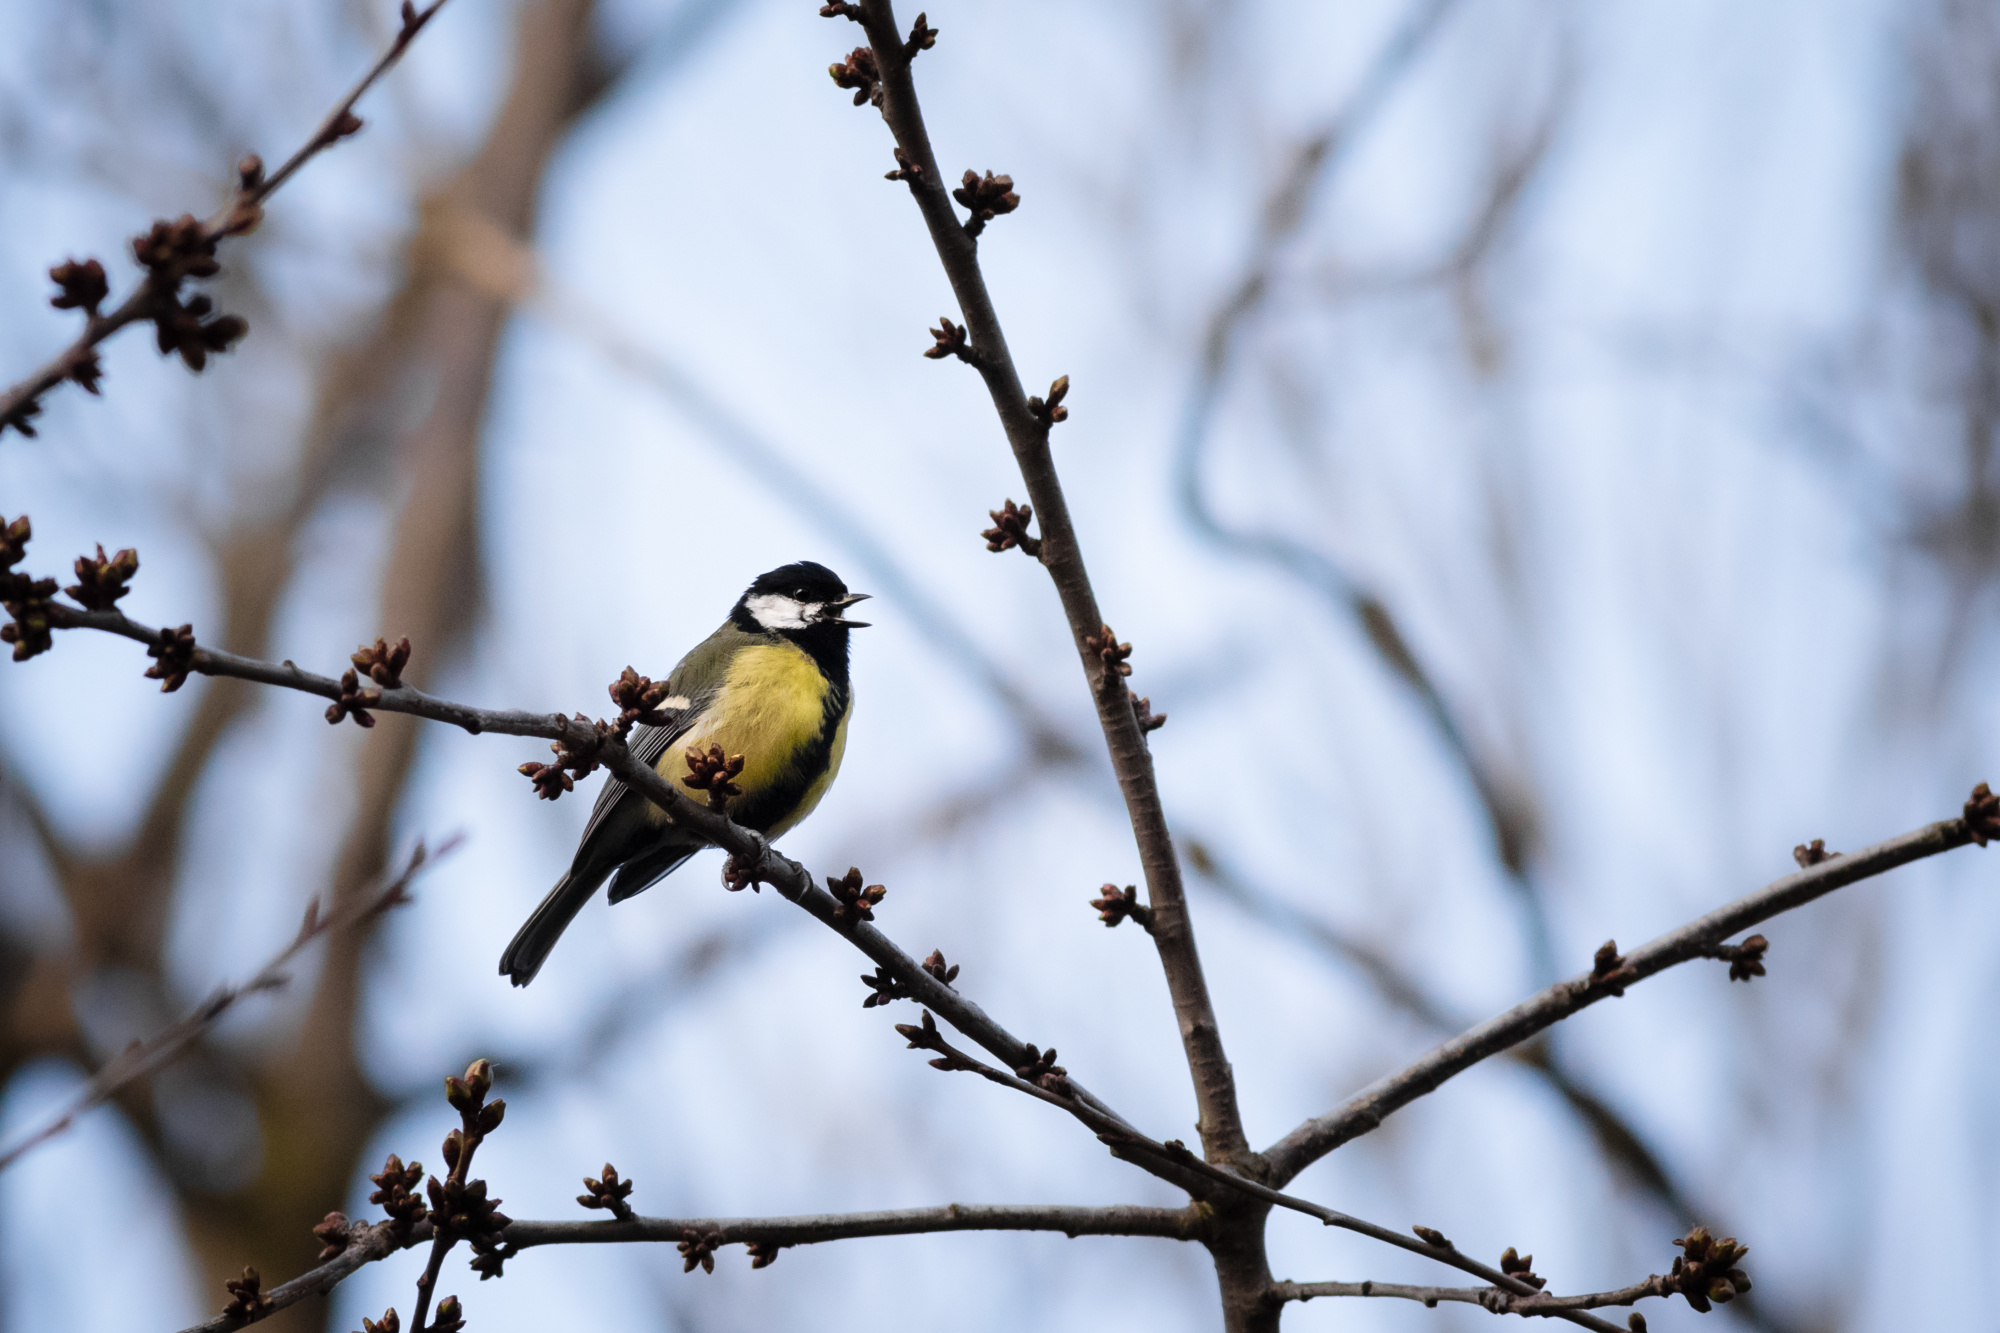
460, 1208
246, 1298
1111, 655
353, 701
1982, 815
985, 197
837, 9
25, 597
906, 170
1040, 1068
1433, 1237
859, 72
174, 658
1811, 854
1609, 970
854, 902
80, 285
171, 253
1706, 1270
1114, 907
1051, 411
572, 763
699, 1248
395, 1190
922, 38
608, 1192
711, 771
1010, 529
390, 1322
938, 968
382, 663
101, 582
1142, 712
951, 341
883, 988
763, 1253
638, 698
1746, 960
332, 1235
1517, 1266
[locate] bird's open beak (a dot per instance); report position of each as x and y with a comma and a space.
841, 604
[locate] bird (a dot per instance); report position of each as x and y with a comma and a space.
770, 685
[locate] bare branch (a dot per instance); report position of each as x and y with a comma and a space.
142, 1059
1699, 938
1027, 433
370, 1242
157, 296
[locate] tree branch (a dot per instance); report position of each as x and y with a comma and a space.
1028, 435
1125, 1141
158, 293
370, 1242
141, 1059
1365, 1110
1487, 1298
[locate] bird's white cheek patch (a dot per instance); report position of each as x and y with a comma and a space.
774, 611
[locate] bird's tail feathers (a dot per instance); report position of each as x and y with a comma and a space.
539, 933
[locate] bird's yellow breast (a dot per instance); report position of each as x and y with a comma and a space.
772, 710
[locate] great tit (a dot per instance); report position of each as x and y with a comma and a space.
770, 685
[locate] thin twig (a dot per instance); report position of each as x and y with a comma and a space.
377, 1241
144, 1058
1365, 1110
1027, 433
241, 215
1488, 1298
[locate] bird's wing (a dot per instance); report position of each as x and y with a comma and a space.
697, 679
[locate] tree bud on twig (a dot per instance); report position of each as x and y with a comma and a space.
922, 38
353, 701
1515, 1265
101, 582
936, 966
1051, 411
1111, 654
697, 1248
608, 1192
711, 772
951, 341
763, 1253
1811, 854
1114, 907
82, 285
1010, 529
246, 1300
862, 74
1433, 1237
1707, 1270
332, 1235
1982, 815
856, 903
382, 663
985, 198
175, 658
1608, 969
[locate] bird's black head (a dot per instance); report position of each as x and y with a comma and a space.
803, 602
